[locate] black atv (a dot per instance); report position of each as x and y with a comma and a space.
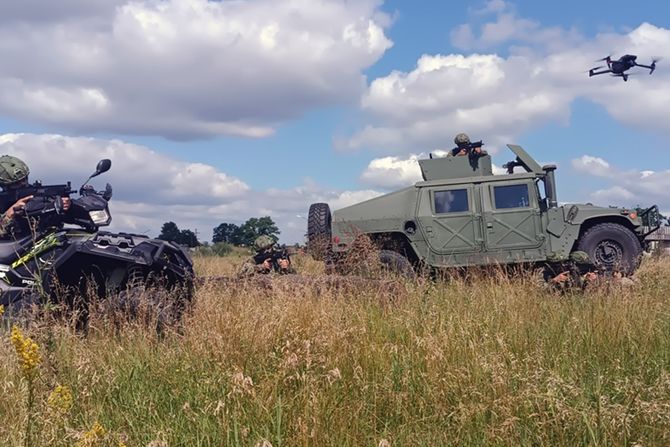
66, 260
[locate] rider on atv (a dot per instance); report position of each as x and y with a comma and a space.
14, 174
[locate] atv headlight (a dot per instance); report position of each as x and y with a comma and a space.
100, 217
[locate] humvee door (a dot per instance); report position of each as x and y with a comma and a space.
512, 221
448, 219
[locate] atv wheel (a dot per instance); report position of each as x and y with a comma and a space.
20, 311
319, 231
612, 247
146, 299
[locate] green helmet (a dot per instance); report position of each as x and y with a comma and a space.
462, 138
12, 170
580, 257
263, 242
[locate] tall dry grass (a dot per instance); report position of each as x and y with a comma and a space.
490, 360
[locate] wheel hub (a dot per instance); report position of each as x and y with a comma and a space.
608, 253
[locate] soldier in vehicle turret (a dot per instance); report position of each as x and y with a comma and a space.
465, 147
13, 175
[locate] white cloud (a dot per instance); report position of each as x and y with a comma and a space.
593, 165
627, 187
614, 195
151, 188
348, 198
644, 101
393, 172
184, 68
493, 6
499, 98
508, 26
486, 95
38, 11
137, 171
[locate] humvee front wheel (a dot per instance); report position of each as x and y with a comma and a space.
612, 247
319, 230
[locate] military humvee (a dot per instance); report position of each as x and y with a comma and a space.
461, 214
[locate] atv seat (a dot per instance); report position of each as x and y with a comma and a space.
10, 250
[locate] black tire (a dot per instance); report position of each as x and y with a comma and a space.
319, 231
395, 263
145, 298
612, 247
20, 311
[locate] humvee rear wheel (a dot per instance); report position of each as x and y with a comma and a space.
612, 247
319, 230
396, 263
375, 265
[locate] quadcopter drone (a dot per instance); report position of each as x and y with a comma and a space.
620, 66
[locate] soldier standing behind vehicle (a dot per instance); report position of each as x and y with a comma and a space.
262, 262
13, 175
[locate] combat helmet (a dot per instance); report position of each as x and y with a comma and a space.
12, 170
580, 257
461, 139
263, 242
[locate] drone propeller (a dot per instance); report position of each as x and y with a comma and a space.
653, 65
604, 58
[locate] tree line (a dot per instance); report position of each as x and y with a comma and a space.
228, 233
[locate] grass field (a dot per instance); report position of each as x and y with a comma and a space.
474, 361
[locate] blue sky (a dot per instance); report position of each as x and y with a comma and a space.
216, 112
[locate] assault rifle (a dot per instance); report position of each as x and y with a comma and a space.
469, 148
274, 255
11, 196
473, 157
576, 274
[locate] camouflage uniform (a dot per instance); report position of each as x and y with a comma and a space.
250, 267
461, 140
576, 279
13, 171
6, 226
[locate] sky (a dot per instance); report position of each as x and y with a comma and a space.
218, 111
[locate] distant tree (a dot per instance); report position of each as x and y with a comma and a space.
246, 233
170, 232
265, 225
257, 226
227, 232
188, 238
